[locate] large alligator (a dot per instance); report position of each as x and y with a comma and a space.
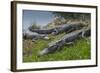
58, 29
33, 35
67, 28
71, 37
42, 31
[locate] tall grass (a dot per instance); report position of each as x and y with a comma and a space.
79, 50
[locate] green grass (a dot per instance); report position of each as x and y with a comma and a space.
79, 50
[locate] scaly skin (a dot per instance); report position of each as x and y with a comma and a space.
71, 37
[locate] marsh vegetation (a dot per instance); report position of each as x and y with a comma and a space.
78, 50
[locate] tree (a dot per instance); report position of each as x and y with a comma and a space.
73, 16
34, 26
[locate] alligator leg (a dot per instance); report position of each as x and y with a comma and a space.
69, 43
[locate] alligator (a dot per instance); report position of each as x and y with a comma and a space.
71, 37
58, 29
33, 35
67, 28
42, 31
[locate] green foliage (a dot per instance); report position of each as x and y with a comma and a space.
79, 50
34, 26
71, 16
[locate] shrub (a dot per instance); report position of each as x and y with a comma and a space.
34, 26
